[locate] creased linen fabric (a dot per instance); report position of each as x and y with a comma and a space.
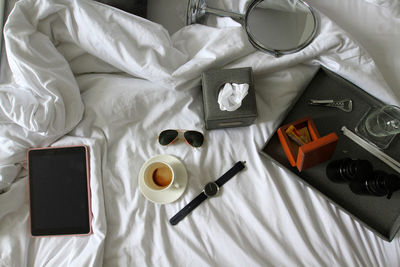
86, 73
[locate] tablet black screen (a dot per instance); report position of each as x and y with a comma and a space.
58, 184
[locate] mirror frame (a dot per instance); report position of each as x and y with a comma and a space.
197, 9
279, 52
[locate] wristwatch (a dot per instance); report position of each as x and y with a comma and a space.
210, 190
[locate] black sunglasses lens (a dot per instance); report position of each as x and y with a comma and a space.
167, 136
194, 138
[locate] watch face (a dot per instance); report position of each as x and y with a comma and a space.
211, 189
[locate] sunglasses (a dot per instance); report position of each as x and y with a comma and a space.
193, 138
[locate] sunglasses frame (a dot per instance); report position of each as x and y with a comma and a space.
181, 137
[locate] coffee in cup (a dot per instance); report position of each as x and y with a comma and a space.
159, 176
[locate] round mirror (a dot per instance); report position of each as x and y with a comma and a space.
280, 26
274, 26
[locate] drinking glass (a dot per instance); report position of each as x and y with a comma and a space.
384, 121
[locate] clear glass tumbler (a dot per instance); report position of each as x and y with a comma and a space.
384, 121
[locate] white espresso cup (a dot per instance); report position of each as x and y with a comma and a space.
160, 176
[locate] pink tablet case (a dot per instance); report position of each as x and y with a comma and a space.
88, 188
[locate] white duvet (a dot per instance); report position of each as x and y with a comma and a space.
85, 73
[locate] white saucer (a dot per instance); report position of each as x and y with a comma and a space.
169, 195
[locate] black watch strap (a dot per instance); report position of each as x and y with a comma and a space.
200, 198
188, 208
229, 174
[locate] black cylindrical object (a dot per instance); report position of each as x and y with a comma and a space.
380, 184
346, 170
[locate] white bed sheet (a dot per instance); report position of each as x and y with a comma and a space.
262, 218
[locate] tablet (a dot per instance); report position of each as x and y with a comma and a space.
59, 191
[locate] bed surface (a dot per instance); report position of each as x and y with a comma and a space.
117, 89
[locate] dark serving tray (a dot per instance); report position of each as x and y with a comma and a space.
379, 214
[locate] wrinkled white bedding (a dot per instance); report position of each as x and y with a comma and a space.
85, 73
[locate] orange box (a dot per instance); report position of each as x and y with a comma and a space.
318, 150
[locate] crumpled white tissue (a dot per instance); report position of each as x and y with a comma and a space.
231, 96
